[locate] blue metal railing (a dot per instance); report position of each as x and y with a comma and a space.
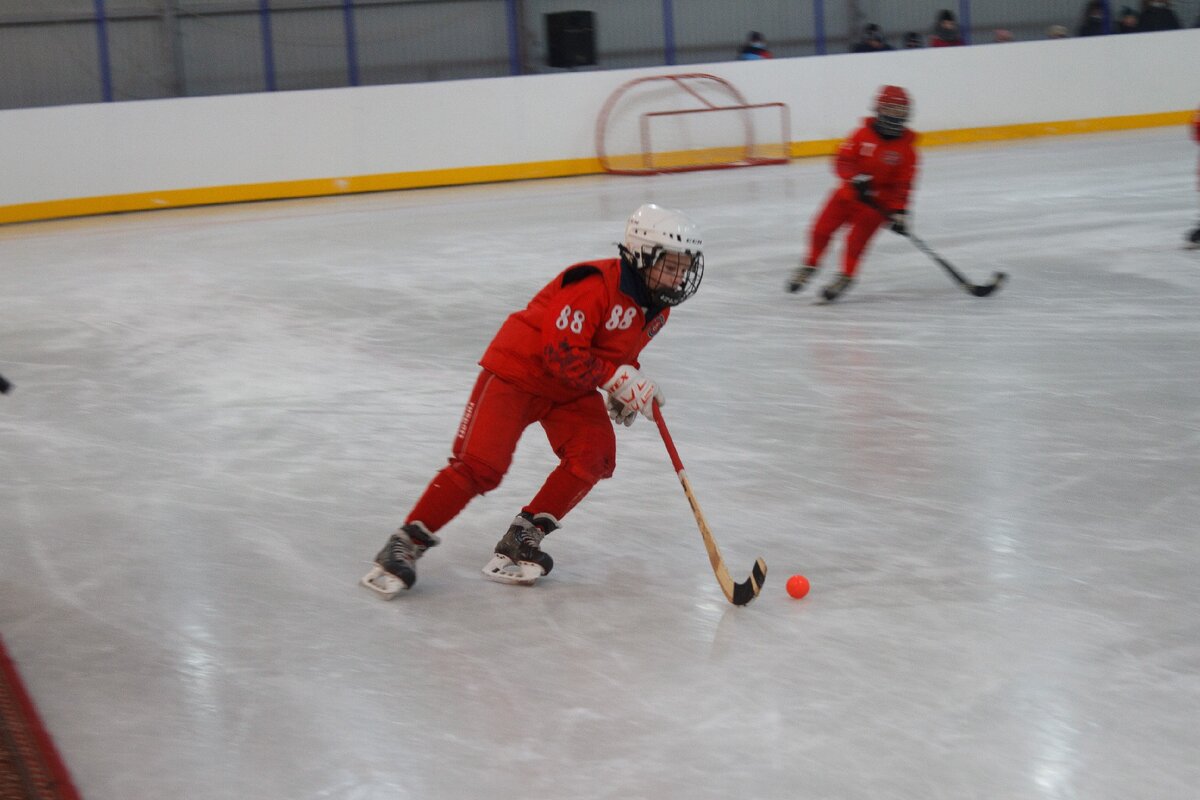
106, 84
351, 42
514, 31
264, 17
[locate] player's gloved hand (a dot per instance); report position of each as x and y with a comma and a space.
862, 186
899, 220
631, 392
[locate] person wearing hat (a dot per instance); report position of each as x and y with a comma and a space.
872, 41
945, 31
1158, 16
1095, 19
1127, 20
755, 48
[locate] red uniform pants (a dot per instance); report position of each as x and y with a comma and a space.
492, 423
840, 210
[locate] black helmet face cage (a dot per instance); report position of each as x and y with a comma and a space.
890, 118
669, 296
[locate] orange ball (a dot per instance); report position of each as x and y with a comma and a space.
797, 586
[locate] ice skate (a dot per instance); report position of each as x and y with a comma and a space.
800, 277
1193, 239
518, 558
395, 566
834, 290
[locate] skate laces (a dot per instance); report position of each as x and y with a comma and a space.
525, 536
409, 546
530, 536
402, 547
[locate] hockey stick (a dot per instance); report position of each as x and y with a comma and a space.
737, 593
979, 290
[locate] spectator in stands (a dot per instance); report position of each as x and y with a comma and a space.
1095, 19
912, 41
1158, 16
1001, 35
872, 41
945, 31
1057, 32
1127, 20
755, 48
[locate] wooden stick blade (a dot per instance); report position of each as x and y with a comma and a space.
737, 593
744, 592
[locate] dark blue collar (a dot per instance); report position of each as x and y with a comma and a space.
633, 285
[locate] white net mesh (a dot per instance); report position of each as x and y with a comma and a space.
677, 123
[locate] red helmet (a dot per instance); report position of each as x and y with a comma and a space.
892, 107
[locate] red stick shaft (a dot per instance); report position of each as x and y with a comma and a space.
666, 437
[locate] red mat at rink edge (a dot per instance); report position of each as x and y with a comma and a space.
30, 767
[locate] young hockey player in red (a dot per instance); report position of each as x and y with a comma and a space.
582, 332
877, 165
1194, 236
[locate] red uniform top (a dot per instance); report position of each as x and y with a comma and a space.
1196, 136
576, 331
891, 163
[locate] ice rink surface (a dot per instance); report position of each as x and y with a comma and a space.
221, 413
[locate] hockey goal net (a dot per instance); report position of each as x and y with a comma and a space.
680, 123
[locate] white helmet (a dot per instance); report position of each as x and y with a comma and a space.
653, 231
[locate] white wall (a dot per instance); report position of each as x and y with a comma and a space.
160, 145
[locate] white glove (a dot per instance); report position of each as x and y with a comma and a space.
630, 392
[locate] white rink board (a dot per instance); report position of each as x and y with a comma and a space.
160, 145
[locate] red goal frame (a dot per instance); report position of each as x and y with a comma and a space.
745, 157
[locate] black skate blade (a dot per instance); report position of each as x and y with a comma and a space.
744, 592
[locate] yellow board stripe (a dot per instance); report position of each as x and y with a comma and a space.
318, 187
1024, 131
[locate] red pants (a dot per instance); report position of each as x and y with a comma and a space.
495, 417
840, 210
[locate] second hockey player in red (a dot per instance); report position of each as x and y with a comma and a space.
1193, 237
877, 165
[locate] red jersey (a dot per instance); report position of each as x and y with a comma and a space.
1196, 136
575, 332
891, 163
